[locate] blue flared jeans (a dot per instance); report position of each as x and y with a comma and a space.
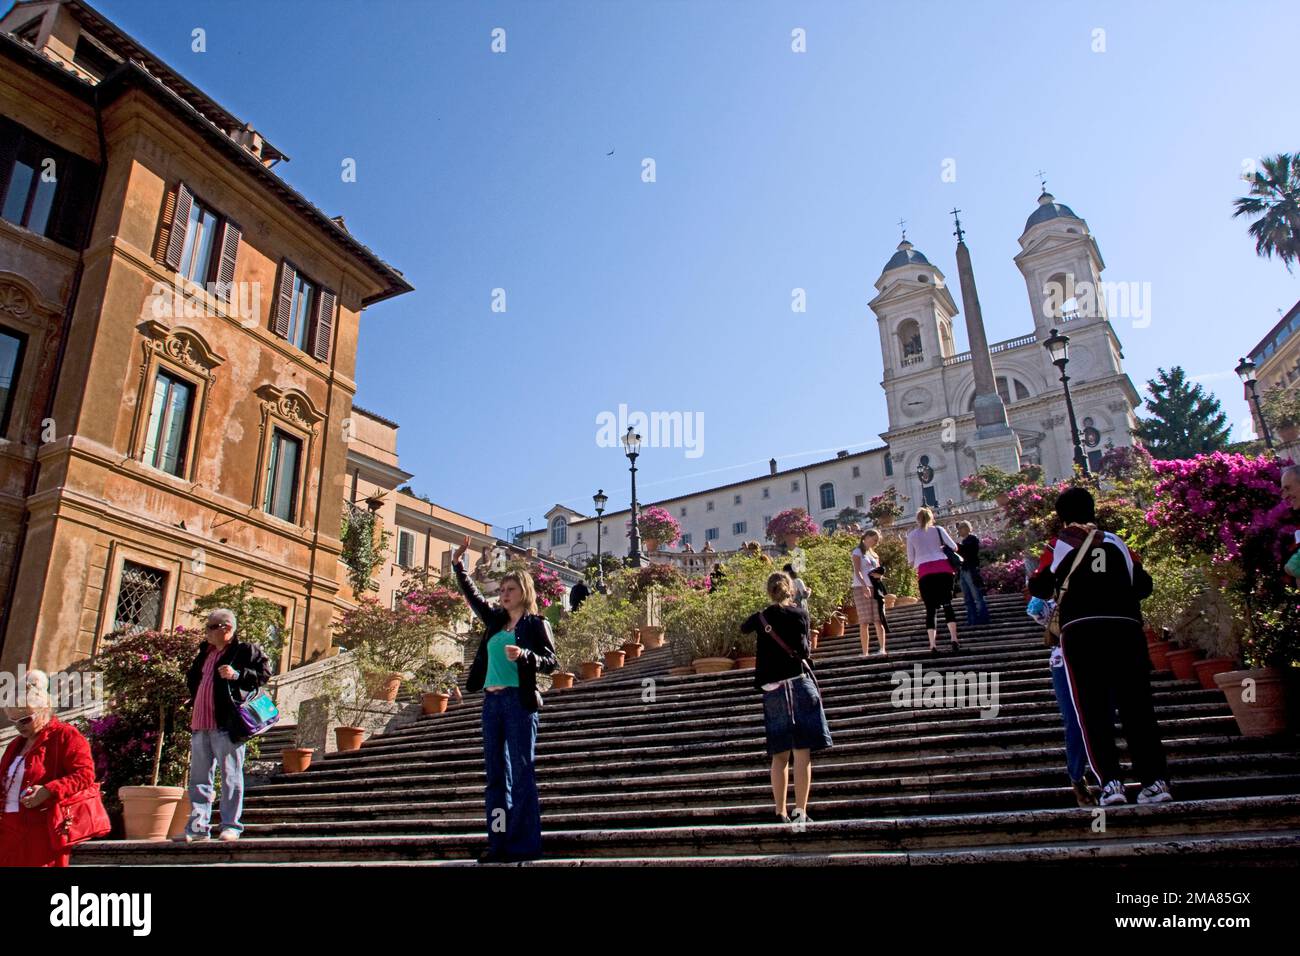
514, 816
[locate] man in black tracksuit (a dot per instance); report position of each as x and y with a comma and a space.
1104, 647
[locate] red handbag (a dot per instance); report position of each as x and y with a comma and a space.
78, 818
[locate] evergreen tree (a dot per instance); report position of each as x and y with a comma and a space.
1183, 420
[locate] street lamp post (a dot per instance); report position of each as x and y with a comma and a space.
599, 498
1059, 347
632, 448
1246, 372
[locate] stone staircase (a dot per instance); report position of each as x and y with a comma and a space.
643, 768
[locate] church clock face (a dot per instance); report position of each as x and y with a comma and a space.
916, 401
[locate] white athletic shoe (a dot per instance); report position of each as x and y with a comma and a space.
1113, 793
1158, 792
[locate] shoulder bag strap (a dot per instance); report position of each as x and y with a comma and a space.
770, 632
1078, 559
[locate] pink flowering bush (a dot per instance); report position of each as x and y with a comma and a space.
1211, 502
1225, 508
793, 521
1125, 462
657, 524
1004, 577
886, 506
550, 589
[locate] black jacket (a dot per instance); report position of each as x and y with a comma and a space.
773, 663
532, 635
229, 695
1110, 583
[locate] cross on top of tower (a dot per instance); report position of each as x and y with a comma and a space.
902, 224
959, 233
1042, 179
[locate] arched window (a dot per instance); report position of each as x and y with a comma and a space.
559, 531
827, 491
909, 342
889, 465
1059, 299
1006, 389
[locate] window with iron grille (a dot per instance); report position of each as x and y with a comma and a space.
139, 598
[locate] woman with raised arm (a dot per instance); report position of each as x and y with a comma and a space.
516, 644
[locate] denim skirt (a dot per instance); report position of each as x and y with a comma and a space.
793, 717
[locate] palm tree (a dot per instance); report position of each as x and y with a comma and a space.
1275, 199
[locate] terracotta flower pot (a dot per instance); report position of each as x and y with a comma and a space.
651, 637
746, 663
651, 545
1206, 669
591, 670
1289, 433
890, 601
561, 680
1159, 652
712, 665
181, 816
850, 612
681, 670
884, 521
1258, 699
295, 759
835, 626
614, 660
349, 738
905, 600
788, 541
1152, 634
632, 650
1181, 661
385, 688
147, 812
1002, 499
434, 703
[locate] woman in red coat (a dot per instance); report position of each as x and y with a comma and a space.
49, 761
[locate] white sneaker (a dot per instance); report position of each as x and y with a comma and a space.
1111, 794
1158, 792
187, 837
228, 836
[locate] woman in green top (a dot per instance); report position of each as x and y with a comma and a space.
516, 644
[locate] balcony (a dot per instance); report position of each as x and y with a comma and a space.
994, 349
916, 359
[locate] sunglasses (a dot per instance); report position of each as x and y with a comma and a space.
24, 721
217, 627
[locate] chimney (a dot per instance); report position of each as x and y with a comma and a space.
771, 466
248, 138
842, 454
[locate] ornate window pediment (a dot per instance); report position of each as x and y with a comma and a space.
292, 405
181, 345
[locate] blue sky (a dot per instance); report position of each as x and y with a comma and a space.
775, 170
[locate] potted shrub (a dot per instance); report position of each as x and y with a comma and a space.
886, 508
145, 734
1225, 506
436, 678
790, 526
900, 576
657, 527
348, 701
388, 644
586, 637
703, 628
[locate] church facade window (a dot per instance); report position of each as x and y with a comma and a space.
909, 340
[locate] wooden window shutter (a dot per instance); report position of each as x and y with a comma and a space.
284, 301
230, 236
180, 222
324, 324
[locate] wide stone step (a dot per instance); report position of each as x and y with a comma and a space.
1233, 755
835, 801
1007, 829
849, 780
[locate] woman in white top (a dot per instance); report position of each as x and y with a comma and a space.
925, 544
866, 598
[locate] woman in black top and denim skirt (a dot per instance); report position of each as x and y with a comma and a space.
792, 705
